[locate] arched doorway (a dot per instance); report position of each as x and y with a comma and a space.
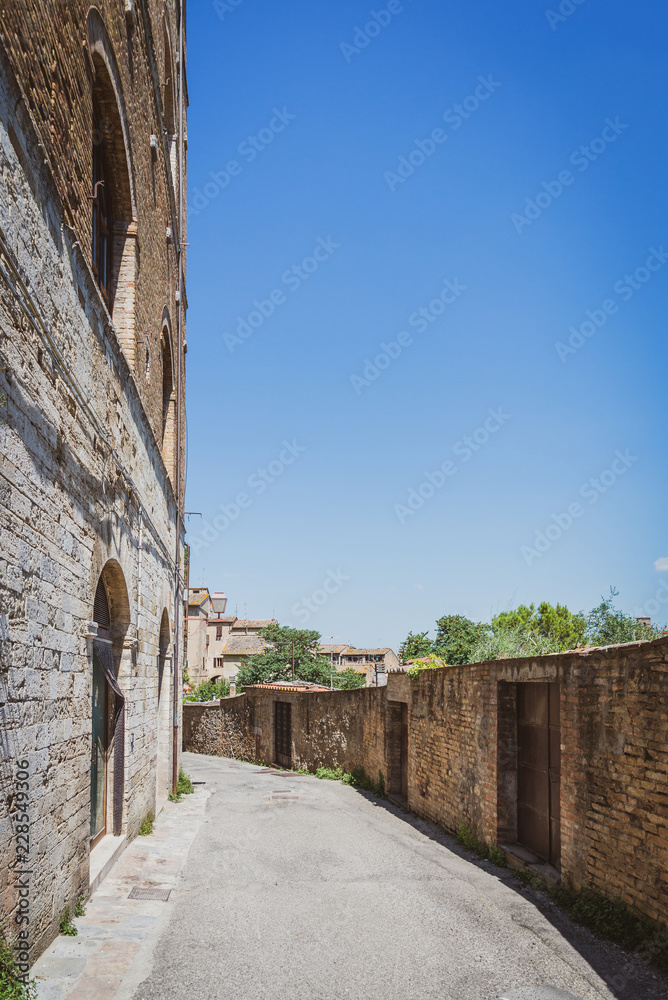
107, 771
165, 699
100, 720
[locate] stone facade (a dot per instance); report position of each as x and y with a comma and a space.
91, 366
460, 753
217, 645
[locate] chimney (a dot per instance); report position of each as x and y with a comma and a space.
647, 622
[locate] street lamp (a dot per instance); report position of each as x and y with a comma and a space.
218, 603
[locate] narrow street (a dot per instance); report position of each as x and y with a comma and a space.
288, 886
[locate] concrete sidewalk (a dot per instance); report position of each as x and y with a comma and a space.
113, 951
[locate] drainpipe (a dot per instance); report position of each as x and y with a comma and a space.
179, 402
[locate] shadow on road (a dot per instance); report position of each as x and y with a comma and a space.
627, 976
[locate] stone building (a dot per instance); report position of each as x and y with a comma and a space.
218, 644
374, 663
92, 358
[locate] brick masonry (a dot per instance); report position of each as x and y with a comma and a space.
86, 481
462, 753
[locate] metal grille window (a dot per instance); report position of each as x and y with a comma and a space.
101, 607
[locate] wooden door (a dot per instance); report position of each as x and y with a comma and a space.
98, 761
539, 770
283, 733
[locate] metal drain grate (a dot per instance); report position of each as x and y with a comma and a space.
161, 894
539, 993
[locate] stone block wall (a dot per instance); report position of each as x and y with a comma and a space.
84, 489
338, 729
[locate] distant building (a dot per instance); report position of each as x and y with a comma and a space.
375, 663
217, 643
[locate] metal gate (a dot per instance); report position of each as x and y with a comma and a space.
283, 733
539, 770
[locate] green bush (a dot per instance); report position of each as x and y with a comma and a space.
209, 691
357, 778
330, 773
11, 985
79, 909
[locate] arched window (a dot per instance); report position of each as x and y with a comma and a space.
113, 216
168, 403
102, 215
169, 104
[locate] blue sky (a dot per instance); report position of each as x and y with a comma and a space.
309, 251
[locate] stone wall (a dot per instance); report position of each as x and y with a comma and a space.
84, 489
339, 729
462, 754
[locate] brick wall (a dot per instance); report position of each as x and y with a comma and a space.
462, 753
614, 764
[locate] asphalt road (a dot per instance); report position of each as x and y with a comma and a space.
305, 889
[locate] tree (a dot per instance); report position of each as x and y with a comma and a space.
553, 622
275, 663
608, 626
415, 646
456, 637
209, 691
349, 679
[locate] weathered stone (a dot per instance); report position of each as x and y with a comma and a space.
87, 463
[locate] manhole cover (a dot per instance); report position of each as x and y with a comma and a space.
539, 993
161, 894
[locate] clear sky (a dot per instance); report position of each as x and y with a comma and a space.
467, 185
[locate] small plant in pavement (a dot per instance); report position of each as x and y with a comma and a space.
66, 925
13, 985
147, 825
79, 909
184, 786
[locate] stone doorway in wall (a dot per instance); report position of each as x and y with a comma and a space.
111, 614
164, 711
99, 751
